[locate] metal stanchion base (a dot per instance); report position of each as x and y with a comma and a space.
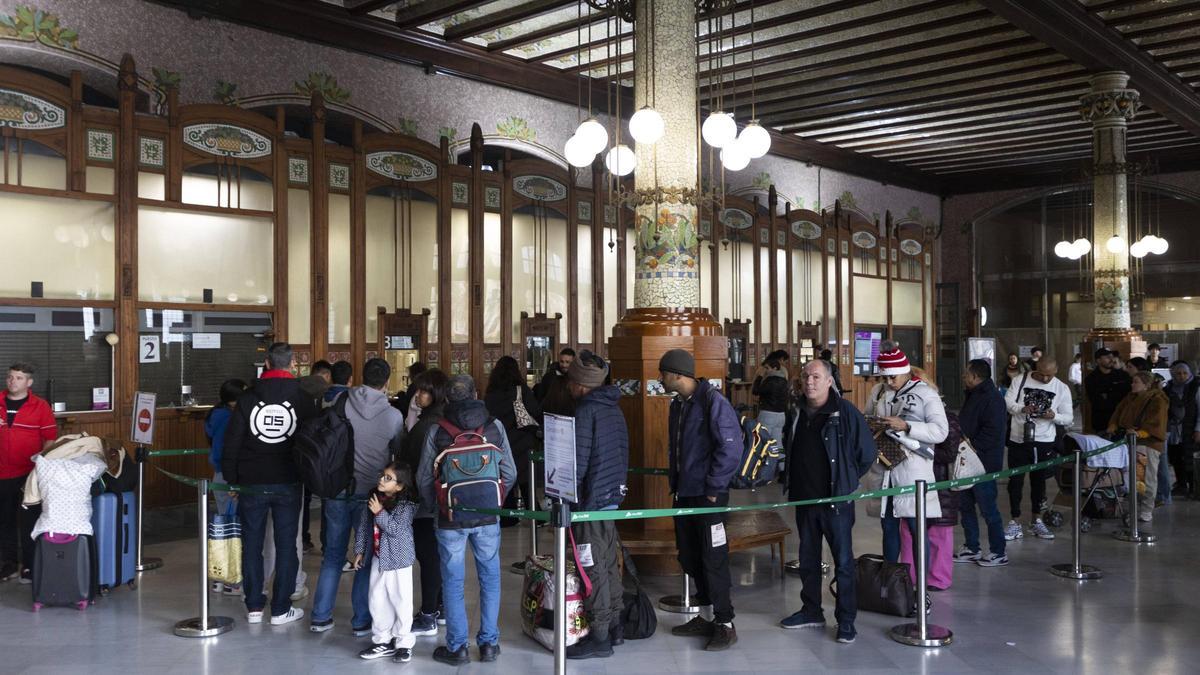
1139, 538
192, 627
149, 564
1068, 571
678, 605
910, 634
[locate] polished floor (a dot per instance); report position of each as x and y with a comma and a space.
1141, 617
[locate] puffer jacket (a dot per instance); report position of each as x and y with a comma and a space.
705, 443
601, 450
1145, 411
465, 415
918, 404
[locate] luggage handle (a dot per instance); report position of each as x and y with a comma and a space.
486, 460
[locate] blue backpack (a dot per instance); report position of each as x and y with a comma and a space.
468, 474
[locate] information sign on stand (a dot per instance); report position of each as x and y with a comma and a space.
559, 436
142, 428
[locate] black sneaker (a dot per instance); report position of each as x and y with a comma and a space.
10, 570
488, 652
321, 626
26, 576
590, 648
724, 637
697, 626
458, 658
424, 625
846, 633
361, 631
378, 651
402, 655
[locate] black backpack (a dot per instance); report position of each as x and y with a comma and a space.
324, 449
638, 620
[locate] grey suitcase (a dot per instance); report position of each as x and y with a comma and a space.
64, 571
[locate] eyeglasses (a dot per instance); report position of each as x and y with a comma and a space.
387, 478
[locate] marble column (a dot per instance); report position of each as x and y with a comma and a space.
667, 226
1109, 107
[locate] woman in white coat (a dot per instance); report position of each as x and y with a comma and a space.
911, 406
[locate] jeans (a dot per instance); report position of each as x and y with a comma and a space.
835, 523
282, 505
891, 534
341, 518
1024, 454
221, 497
425, 541
983, 495
701, 559
452, 549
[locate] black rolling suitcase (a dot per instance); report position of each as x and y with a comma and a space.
64, 571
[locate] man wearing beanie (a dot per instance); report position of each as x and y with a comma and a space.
465, 412
705, 442
601, 463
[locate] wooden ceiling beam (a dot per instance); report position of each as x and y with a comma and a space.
366, 6
427, 11
505, 17
1083, 37
561, 28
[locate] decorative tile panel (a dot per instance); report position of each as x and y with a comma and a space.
401, 166
491, 197
584, 211
706, 228
610, 214
19, 110
780, 238
764, 236
339, 176
629, 387
845, 247
459, 193
737, 219
540, 188
226, 140
100, 145
151, 152
911, 247
806, 229
298, 170
864, 240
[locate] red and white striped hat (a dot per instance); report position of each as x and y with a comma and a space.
892, 362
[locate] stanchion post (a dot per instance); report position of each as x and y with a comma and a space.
203, 625
680, 604
1075, 569
1130, 533
921, 633
560, 518
533, 524
143, 564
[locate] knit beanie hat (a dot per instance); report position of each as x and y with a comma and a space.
892, 361
678, 361
588, 370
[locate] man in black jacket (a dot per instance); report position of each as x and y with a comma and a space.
829, 448
556, 370
984, 421
1103, 389
258, 454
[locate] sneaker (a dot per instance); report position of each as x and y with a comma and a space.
1013, 531
216, 586
232, 589
402, 655
378, 651
321, 626
254, 617
458, 658
488, 652
803, 620
966, 555
347, 567
993, 560
616, 633
424, 625
26, 576
292, 615
300, 594
361, 631
846, 633
10, 570
441, 616
697, 626
724, 637
1040, 530
590, 648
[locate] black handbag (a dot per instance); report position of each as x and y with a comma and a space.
882, 586
638, 620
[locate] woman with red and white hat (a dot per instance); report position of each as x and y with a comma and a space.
911, 407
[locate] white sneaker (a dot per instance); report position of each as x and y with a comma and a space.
1013, 531
966, 555
254, 617
216, 586
300, 594
293, 614
1040, 530
993, 560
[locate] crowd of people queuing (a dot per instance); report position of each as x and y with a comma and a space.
389, 520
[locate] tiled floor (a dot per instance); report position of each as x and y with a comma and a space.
1141, 617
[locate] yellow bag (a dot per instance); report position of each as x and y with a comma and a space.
225, 548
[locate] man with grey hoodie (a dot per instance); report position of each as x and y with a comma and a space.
378, 434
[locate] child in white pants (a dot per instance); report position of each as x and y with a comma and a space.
387, 526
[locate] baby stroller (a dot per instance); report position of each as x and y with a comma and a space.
1103, 486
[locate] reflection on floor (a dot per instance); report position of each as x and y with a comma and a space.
1140, 617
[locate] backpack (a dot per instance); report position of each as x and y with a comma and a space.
324, 450
468, 474
760, 457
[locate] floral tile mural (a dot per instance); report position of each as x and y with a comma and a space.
33, 24
324, 84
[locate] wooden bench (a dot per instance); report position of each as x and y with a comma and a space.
744, 530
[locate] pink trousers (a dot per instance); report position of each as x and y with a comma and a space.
941, 552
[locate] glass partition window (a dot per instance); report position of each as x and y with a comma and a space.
401, 253
100, 180
181, 253
764, 294
807, 284
907, 303
781, 262
299, 267
197, 351
539, 266
339, 269
66, 245
492, 253
67, 348
32, 164
152, 186
585, 296
227, 185
705, 272
460, 276
870, 301
610, 282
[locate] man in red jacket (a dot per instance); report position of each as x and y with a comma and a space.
26, 428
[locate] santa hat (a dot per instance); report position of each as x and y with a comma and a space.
892, 361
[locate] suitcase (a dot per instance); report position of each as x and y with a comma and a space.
64, 571
113, 516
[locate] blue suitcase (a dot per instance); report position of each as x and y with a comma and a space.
113, 520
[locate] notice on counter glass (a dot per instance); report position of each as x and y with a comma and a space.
206, 340
559, 439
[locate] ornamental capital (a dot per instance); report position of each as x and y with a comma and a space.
1108, 105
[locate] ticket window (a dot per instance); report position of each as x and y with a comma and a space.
539, 337
401, 339
738, 334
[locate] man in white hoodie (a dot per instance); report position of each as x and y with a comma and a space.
1038, 402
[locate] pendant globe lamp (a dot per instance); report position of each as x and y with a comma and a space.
592, 135
620, 160
577, 155
646, 126
734, 156
755, 140
719, 129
